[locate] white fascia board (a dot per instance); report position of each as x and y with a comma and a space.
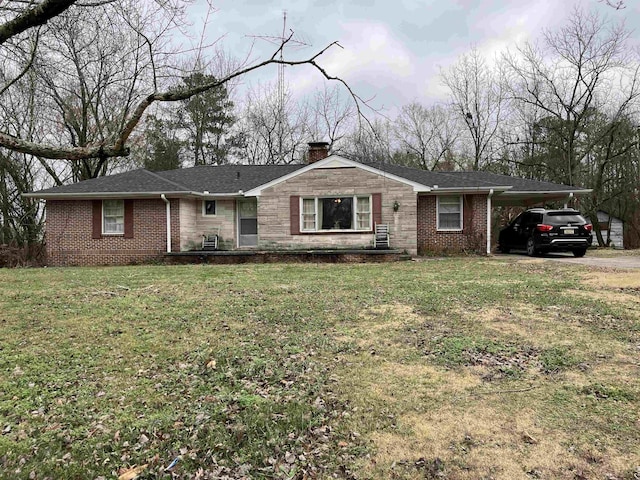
131, 195
487, 190
582, 191
336, 161
218, 195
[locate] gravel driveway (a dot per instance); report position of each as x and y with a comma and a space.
622, 261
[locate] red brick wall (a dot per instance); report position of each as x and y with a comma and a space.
473, 237
69, 228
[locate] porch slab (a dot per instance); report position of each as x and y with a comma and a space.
278, 256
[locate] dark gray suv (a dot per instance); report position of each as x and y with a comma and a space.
539, 231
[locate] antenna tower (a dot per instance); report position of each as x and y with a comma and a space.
281, 90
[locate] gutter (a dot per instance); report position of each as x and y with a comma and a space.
488, 190
582, 191
168, 203
102, 195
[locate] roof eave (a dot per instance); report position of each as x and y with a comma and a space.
579, 191
495, 189
128, 195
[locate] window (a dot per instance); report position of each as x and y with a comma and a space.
208, 207
308, 214
113, 217
336, 213
363, 213
450, 213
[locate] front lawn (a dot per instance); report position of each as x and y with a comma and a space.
456, 368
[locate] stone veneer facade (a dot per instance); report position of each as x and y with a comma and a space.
69, 225
193, 224
274, 224
472, 238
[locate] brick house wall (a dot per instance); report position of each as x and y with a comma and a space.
472, 238
193, 224
274, 222
69, 234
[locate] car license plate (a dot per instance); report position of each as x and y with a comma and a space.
568, 231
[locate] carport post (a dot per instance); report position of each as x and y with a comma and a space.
566, 205
489, 222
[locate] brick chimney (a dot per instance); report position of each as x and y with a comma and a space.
318, 151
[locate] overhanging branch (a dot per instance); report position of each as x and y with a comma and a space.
119, 147
38, 15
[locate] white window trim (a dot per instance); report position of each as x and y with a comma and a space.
438, 215
204, 208
315, 214
354, 213
114, 234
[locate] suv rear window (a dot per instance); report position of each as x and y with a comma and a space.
562, 218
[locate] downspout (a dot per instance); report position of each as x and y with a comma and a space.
489, 221
168, 203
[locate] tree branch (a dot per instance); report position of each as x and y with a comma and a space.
119, 146
33, 17
29, 64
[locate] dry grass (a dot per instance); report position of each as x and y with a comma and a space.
612, 252
455, 369
455, 421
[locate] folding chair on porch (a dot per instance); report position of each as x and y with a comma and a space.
381, 236
210, 240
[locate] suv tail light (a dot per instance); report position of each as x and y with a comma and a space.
588, 227
544, 228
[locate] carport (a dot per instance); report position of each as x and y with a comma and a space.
528, 194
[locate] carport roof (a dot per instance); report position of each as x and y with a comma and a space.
484, 180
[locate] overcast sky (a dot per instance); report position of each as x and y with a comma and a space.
392, 49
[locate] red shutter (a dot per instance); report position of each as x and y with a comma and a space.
128, 219
97, 219
377, 208
467, 209
294, 214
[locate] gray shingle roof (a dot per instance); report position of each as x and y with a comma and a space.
470, 179
229, 179
135, 181
518, 184
214, 179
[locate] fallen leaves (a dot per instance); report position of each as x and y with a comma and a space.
133, 473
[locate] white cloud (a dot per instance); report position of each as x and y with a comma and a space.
371, 60
393, 50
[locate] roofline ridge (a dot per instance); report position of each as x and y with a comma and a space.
175, 184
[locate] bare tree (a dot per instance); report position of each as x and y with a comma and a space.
91, 69
21, 218
150, 84
331, 117
371, 143
478, 97
581, 89
584, 68
273, 128
425, 136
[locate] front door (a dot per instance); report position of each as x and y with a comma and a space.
247, 222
